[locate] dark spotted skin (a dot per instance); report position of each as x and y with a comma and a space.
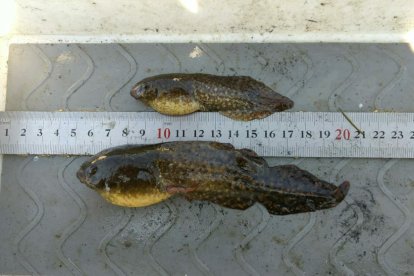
237, 97
209, 171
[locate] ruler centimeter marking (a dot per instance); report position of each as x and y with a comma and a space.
286, 134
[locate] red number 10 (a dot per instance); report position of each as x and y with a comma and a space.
166, 132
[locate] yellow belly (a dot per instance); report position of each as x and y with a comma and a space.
133, 199
175, 106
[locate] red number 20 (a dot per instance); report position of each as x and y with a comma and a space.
342, 133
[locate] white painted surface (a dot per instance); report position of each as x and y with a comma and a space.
240, 20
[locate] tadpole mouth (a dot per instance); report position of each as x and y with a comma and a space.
139, 89
80, 174
134, 90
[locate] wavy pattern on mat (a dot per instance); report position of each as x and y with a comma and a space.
203, 238
308, 74
216, 58
49, 70
347, 81
391, 240
261, 59
394, 81
171, 55
133, 68
18, 248
85, 77
339, 265
116, 230
294, 241
158, 234
253, 234
73, 227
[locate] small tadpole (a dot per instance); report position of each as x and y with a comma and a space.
351, 122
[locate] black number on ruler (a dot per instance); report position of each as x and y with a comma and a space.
178, 133
7, 132
287, 133
56, 132
125, 132
251, 133
397, 135
324, 134
199, 134
73, 132
23, 133
90, 133
379, 134
235, 133
412, 135
269, 134
216, 134
360, 134
40, 133
108, 130
306, 134
142, 132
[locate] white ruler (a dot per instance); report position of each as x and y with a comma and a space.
293, 134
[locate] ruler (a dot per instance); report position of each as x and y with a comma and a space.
287, 134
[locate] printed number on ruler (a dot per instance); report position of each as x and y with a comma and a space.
283, 134
67, 131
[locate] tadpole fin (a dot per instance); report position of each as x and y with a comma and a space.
221, 146
228, 201
234, 203
253, 156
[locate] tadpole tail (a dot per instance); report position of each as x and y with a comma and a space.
342, 191
292, 190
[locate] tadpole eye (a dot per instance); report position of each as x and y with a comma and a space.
93, 170
146, 87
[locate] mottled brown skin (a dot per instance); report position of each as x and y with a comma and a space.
237, 97
209, 171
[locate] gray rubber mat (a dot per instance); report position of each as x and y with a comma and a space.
52, 224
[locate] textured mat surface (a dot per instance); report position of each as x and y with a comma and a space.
52, 224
